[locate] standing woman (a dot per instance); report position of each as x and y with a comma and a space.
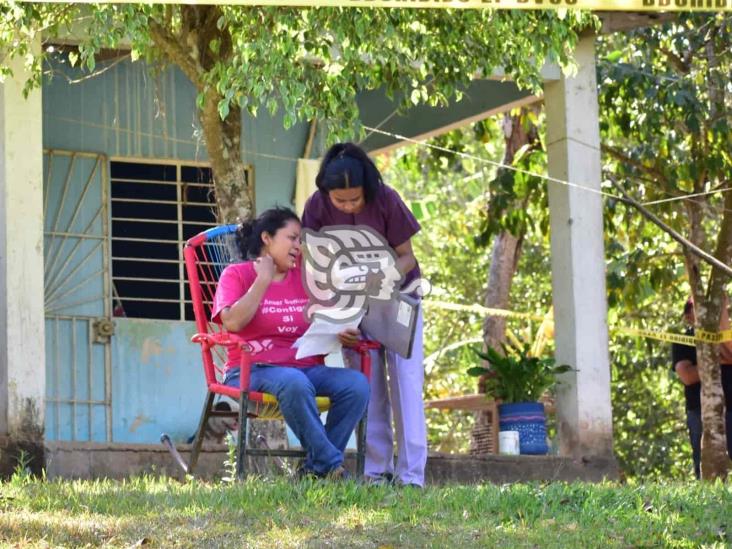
352, 192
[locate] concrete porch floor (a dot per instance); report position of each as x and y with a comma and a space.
95, 460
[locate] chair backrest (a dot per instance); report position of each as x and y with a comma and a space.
206, 255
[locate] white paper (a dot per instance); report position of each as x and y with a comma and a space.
404, 314
321, 338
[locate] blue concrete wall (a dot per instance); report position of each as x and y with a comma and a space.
126, 112
157, 379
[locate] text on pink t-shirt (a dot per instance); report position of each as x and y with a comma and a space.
278, 322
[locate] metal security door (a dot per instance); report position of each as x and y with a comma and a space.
77, 296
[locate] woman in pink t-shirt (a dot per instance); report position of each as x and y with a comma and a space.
262, 301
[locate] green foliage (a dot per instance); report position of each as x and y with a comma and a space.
658, 97
665, 127
310, 62
22, 473
230, 461
513, 189
515, 375
162, 512
648, 410
649, 424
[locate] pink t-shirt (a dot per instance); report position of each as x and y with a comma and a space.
278, 322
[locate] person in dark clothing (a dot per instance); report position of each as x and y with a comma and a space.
683, 360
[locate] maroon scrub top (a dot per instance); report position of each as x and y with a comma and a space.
386, 213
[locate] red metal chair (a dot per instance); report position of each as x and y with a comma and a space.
206, 256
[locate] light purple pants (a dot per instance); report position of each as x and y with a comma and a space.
403, 396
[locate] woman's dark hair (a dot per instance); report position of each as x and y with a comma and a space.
347, 165
249, 235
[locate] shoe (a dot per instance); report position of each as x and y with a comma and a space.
337, 474
382, 479
399, 483
301, 473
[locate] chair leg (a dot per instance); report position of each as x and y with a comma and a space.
241, 443
361, 446
198, 441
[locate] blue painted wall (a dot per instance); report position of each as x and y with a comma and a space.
126, 112
157, 380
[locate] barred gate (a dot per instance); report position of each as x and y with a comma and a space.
77, 296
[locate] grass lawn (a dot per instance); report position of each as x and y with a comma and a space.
155, 512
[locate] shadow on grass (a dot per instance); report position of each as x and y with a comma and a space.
283, 513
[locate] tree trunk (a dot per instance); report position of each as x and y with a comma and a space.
714, 460
188, 47
506, 246
234, 193
708, 309
504, 259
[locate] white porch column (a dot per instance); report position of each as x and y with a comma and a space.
578, 261
22, 357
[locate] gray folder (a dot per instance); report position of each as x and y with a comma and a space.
392, 323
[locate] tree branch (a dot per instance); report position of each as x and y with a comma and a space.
724, 248
311, 138
713, 261
612, 151
681, 65
177, 53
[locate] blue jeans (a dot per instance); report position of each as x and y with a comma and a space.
295, 390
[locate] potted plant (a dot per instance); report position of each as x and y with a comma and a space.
517, 380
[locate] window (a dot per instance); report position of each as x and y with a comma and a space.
156, 207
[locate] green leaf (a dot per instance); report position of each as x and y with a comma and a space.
416, 208
223, 108
477, 371
614, 56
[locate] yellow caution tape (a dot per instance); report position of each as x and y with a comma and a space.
597, 5
660, 336
700, 335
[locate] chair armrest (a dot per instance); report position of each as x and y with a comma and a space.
364, 348
227, 339
220, 338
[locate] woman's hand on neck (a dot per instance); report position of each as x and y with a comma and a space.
265, 268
